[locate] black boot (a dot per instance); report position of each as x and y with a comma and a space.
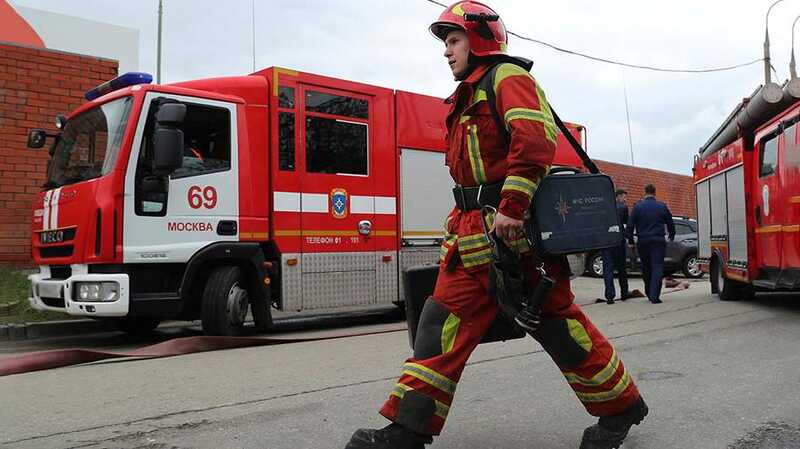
393, 436
610, 431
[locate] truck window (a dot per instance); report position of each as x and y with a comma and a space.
336, 105
336, 146
337, 137
286, 141
89, 144
207, 141
769, 157
206, 149
792, 152
286, 97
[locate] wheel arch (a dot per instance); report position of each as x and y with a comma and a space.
717, 262
248, 256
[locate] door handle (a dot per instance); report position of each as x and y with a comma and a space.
227, 227
758, 215
364, 227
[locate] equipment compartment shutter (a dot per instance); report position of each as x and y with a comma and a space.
703, 220
719, 207
426, 195
737, 240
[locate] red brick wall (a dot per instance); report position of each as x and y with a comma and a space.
675, 190
35, 86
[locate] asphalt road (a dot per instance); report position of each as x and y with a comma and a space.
716, 375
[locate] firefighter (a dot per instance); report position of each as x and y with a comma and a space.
504, 169
649, 219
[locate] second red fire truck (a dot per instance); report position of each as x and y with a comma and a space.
747, 179
208, 198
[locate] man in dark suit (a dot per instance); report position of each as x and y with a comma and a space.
614, 259
649, 219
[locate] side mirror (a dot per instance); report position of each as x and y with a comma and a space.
36, 138
168, 139
61, 121
171, 114
167, 150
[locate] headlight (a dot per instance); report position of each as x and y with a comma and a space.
96, 291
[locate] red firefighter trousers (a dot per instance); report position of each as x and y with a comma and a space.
423, 394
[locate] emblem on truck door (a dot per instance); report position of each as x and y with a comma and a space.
339, 203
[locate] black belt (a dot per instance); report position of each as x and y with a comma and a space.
473, 198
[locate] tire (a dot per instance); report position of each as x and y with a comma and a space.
728, 289
594, 265
225, 302
691, 268
139, 326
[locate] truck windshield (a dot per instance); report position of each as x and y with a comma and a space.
88, 146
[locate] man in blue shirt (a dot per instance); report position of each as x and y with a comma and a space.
614, 259
649, 219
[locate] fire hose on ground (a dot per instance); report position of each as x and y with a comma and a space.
179, 346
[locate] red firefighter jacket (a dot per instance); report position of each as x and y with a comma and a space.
479, 154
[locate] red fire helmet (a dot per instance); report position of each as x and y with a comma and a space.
484, 28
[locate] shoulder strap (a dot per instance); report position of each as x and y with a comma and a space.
487, 84
587, 161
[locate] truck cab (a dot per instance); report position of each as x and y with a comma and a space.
139, 184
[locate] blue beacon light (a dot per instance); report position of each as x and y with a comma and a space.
122, 81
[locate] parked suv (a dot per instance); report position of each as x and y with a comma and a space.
681, 254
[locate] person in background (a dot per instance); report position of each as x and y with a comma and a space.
648, 220
614, 259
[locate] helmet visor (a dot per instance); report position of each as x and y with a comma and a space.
442, 29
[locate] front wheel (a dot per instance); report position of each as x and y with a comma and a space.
225, 302
691, 267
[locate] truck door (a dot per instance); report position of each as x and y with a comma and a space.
768, 206
337, 176
790, 184
169, 217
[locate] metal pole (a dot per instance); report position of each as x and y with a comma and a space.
158, 60
792, 67
767, 64
253, 14
627, 116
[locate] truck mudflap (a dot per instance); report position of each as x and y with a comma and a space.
82, 293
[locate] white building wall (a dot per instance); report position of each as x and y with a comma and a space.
86, 37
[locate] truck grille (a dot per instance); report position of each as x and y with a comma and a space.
53, 302
60, 272
55, 251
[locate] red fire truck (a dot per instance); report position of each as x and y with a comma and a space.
208, 198
747, 179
